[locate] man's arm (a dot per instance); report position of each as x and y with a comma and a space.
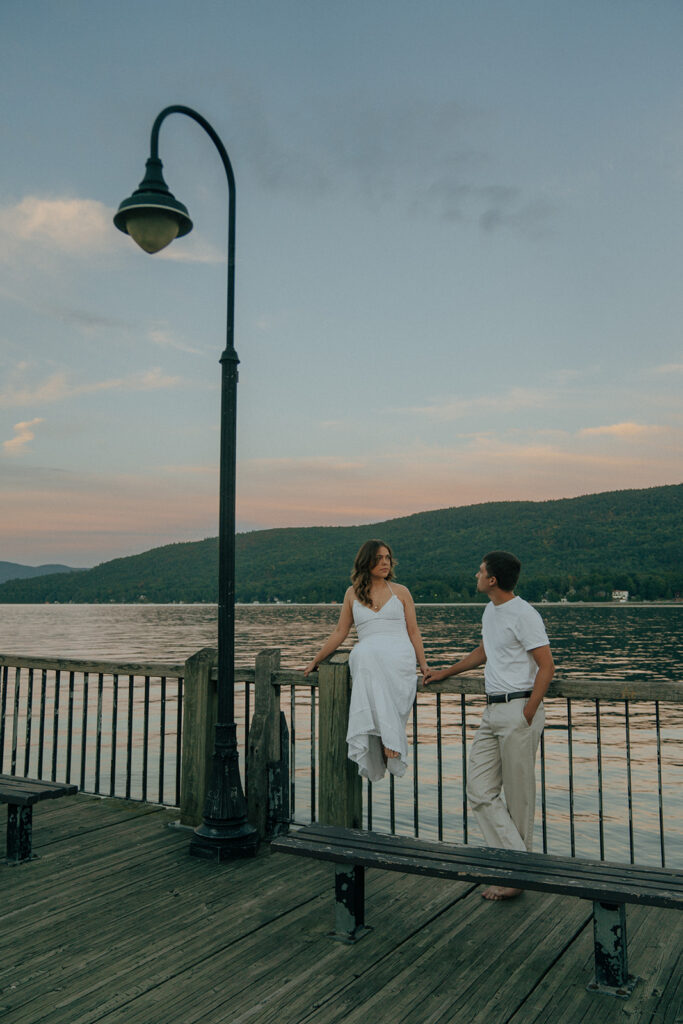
474, 659
546, 670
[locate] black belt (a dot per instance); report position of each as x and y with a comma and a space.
503, 698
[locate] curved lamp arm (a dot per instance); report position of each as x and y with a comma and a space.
153, 217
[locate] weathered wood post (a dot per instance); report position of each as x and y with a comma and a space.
264, 739
340, 795
200, 707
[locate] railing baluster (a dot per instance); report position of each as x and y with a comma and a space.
416, 809
55, 723
162, 738
544, 809
70, 727
570, 755
463, 745
114, 732
600, 799
179, 738
15, 720
368, 802
313, 753
659, 786
292, 749
392, 804
98, 737
246, 734
29, 722
628, 779
145, 740
3, 708
129, 738
439, 768
41, 731
84, 728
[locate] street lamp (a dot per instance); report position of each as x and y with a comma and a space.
154, 217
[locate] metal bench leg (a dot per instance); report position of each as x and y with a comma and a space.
611, 957
19, 831
349, 906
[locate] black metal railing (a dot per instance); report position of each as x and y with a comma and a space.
610, 773
113, 729
610, 767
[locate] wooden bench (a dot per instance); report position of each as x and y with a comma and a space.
610, 886
20, 795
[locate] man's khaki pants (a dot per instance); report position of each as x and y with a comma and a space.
503, 760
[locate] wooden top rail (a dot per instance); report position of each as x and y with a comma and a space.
121, 668
578, 689
595, 688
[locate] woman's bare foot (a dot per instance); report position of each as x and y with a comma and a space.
389, 753
500, 892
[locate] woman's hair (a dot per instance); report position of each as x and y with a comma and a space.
363, 563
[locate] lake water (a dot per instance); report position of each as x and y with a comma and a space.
623, 642
616, 641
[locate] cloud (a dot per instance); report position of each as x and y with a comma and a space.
58, 387
82, 227
625, 431
74, 226
193, 249
163, 339
427, 156
514, 400
667, 368
24, 434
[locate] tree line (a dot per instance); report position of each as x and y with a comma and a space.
576, 549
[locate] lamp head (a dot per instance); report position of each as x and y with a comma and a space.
152, 216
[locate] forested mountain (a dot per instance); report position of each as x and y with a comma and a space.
581, 548
15, 571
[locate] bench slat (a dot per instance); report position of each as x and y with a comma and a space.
25, 792
607, 882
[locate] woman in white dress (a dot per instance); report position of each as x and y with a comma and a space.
382, 663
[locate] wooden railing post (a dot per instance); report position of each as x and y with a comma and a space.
264, 738
340, 795
200, 706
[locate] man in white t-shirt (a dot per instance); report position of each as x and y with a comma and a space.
519, 667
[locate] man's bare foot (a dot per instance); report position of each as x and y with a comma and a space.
500, 892
389, 753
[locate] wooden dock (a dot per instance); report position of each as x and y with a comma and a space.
116, 923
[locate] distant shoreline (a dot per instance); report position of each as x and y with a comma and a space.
334, 604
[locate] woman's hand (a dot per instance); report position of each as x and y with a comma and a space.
311, 667
433, 675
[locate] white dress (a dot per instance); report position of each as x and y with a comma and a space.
384, 682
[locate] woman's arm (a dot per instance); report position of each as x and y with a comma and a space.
413, 629
338, 636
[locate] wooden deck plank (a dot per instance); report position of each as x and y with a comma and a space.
117, 924
655, 941
455, 970
267, 975
51, 824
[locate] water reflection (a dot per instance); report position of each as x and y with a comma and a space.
615, 642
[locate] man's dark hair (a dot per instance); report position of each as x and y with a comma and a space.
505, 567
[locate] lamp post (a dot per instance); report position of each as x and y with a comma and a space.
154, 217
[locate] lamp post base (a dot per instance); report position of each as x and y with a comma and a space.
224, 833
224, 844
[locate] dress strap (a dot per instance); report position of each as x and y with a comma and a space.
390, 587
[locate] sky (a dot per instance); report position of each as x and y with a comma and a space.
458, 262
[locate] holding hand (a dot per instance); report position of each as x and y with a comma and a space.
433, 675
